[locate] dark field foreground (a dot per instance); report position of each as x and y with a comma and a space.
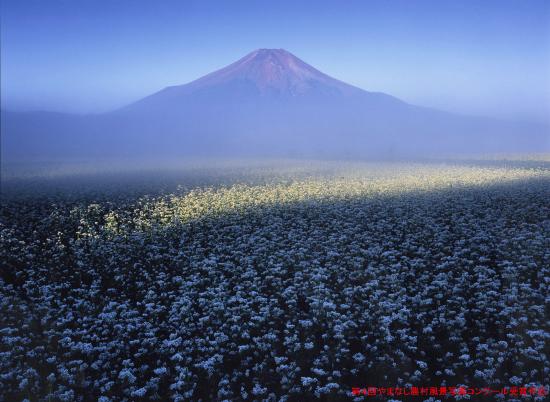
278, 289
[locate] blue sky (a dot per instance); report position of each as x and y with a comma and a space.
476, 57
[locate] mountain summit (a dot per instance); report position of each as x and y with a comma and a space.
273, 70
268, 103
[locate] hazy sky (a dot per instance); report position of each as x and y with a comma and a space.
478, 57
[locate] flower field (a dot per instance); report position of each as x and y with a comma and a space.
291, 283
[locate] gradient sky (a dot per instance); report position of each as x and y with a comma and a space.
477, 57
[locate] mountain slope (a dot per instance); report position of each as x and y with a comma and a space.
268, 76
267, 103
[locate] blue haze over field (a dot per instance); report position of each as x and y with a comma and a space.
476, 58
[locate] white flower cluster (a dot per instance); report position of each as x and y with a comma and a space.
286, 290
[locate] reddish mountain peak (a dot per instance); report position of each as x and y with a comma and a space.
279, 57
272, 70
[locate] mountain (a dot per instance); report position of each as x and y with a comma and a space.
267, 103
264, 73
